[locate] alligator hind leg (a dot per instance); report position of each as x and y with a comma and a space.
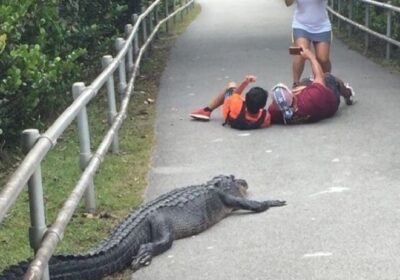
246, 204
162, 238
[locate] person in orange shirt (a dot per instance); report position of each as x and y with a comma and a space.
239, 113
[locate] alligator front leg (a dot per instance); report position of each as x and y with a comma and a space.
162, 238
240, 203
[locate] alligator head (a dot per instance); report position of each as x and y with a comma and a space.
228, 184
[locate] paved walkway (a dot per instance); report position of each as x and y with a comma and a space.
340, 177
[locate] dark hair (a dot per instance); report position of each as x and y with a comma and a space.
256, 99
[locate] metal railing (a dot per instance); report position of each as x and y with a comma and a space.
43, 240
336, 7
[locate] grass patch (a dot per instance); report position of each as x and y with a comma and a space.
121, 180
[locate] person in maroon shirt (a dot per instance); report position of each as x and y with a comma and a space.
312, 100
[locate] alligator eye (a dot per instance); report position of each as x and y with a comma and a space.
242, 183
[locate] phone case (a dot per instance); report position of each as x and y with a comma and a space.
294, 50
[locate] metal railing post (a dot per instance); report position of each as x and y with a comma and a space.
157, 19
119, 44
136, 39
151, 23
128, 30
366, 40
339, 9
112, 107
36, 203
181, 13
174, 8
388, 30
329, 4
350, 9
144, 31
166, 15
85, 153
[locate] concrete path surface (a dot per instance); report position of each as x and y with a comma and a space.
340, 177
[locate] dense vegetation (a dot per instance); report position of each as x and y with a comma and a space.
377, 22
45, 46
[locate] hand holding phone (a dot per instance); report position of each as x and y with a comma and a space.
295, 50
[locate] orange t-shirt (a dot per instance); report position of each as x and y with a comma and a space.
233, 105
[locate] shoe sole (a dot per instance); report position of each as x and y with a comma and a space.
200, 117
350, 99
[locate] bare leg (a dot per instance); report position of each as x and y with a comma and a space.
322, 51
298, 61
203, 114
218, 100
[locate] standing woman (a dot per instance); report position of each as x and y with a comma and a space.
311, 24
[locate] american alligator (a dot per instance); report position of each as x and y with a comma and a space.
151, 229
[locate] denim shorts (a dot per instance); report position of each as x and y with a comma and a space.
229, 92
313, 37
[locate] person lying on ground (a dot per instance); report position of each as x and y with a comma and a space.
239, 113
313, 100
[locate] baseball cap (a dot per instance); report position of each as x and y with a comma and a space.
282, 96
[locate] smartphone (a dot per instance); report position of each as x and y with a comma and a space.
295, 50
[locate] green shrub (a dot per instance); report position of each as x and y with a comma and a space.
377, 22
46, 46
377, 15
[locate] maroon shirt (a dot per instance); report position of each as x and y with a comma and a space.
314, 103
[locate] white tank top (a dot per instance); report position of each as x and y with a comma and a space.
311, 15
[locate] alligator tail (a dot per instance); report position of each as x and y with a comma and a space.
15, 272
71, 267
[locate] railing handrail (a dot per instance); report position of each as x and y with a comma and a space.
362, 27
382, 5
48, 140
365, 27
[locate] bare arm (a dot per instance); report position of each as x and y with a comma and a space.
315, 66
289, 2
248, 79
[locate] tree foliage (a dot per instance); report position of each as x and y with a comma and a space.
377, 15
44, 47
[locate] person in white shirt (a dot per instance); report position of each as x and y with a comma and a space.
311, 25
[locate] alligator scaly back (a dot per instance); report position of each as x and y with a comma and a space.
151, 229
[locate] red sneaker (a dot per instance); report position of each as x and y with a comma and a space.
201, 114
